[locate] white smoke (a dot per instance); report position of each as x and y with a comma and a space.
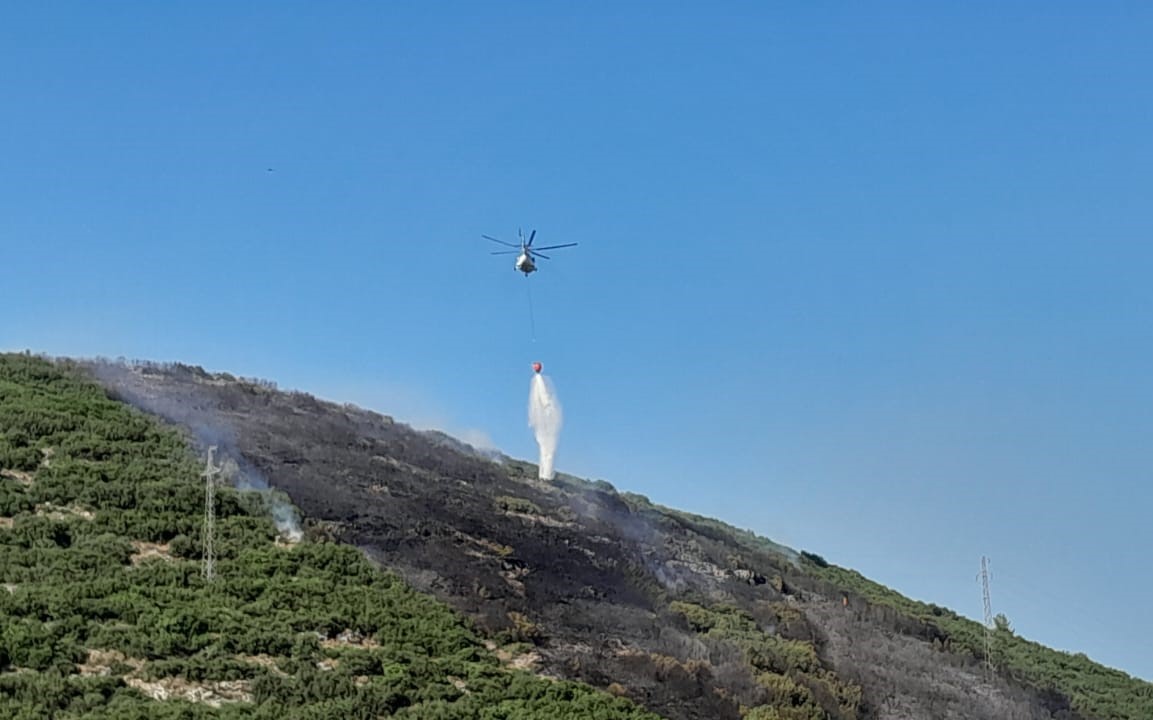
284, 515
545, 419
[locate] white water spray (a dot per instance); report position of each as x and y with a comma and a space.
545, 419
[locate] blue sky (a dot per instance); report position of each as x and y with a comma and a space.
873, 282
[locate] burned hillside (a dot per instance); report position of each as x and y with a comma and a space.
689, 617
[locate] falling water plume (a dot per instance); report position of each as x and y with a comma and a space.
545, 419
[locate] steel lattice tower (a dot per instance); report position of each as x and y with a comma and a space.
209, 531
988, 615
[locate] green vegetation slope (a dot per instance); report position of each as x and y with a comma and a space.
103, 607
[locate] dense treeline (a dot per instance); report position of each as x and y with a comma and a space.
102, 600
1094, 690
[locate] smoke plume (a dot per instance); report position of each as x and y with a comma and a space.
545, 419
185, 404
247, 479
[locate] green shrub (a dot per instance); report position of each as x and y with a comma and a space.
517, 505
814, 559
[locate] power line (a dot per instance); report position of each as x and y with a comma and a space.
209, 531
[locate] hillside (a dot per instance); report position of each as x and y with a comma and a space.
684, 615
103, 607
688, 616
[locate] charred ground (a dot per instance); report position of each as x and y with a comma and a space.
690, 617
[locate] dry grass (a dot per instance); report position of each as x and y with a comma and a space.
147, 550
59, 512
24, 478
100, 662
349, 638
214, 694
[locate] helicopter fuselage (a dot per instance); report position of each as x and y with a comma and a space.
524, 263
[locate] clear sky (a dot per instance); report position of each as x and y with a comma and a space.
871, 280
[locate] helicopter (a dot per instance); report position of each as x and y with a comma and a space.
526, 252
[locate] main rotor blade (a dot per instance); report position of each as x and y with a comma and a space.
530, 237
534, 253
504, 252
502, 242
554, 247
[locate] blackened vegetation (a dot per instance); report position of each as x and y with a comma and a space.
688, 616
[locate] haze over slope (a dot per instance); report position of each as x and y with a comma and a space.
687, 616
